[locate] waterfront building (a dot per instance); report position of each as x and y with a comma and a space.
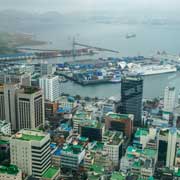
30, 108
120, 122
131, 98
50, 86
30, 151
10, 172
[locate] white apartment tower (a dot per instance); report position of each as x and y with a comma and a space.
30, 151
50, 86
169, 99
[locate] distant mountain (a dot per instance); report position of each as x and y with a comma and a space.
12, 20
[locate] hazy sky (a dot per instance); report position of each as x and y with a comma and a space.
91, 5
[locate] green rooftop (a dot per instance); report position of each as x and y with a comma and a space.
12, 169
29, 137
81, 115
50, 173
150, 152
141, 132
91, 123
118, 116
75, 149
98, 146
117, 176
177, 174
178, 152
97, 169
2, 142
137, 164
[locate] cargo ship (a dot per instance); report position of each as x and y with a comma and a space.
152, 69
130, 36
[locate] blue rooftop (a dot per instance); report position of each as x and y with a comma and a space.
66, 127
58, 152
66, 109
52, 145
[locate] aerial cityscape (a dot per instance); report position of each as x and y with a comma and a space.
89, 90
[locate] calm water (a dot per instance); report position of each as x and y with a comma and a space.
153, 87
150, 39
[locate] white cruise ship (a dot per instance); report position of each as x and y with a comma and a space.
152, 69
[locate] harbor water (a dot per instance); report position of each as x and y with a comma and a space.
149, 39
153, 87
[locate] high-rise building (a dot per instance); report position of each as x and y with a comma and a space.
22, 107
171, 148
2, 103
30, 151
10, 91
131, 97
46, 69
50, 86
169, 99
30, 108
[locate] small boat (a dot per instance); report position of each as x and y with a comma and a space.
130, 36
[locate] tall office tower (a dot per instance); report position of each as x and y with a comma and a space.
30, 151
30, 108
169, 99
50, 86
10, 91
2, 103
46, 69
171, 148
131, 97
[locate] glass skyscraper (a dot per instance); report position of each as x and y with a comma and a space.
131, 97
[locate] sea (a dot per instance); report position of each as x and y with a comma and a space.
149, 39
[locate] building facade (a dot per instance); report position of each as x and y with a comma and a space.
120, 122
50, 86
169, 99
131, 97
30, 108
30, 151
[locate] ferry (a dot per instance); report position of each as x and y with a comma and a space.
152, 69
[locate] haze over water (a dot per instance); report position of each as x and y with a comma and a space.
105, 23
